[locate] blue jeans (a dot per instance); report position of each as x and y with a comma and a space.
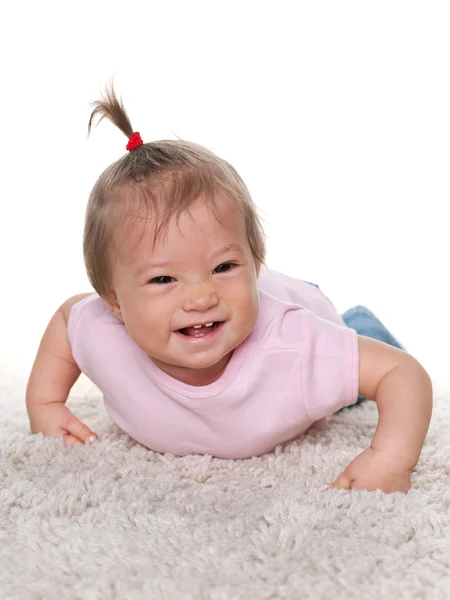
366, 323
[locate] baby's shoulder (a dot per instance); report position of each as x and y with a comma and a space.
277, 323
67, 305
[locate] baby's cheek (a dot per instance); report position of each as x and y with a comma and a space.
251, 312
255, 303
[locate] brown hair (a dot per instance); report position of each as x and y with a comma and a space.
163, 178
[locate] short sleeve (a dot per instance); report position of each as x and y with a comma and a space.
74, 318
72, 322
329, 365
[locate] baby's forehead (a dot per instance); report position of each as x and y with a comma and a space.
140, 233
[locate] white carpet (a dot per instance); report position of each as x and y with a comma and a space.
116, 520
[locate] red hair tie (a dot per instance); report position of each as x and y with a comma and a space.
134, 141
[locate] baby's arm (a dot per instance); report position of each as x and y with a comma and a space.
403, 392
53, 374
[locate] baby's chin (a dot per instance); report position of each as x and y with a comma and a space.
204, 363
195, 374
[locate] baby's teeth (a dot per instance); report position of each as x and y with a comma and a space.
206, 325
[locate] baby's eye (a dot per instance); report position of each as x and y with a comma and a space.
228, 264
164, 279
158, 279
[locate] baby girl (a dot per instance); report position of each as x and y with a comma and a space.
198, 347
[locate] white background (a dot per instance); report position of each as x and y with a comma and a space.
336, 115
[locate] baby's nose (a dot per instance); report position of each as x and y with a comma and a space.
201, 299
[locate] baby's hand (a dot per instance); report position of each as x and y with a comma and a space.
373, 470
56, 420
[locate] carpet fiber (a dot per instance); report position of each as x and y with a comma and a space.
116, 520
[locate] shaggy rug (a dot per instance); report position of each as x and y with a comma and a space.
116, 520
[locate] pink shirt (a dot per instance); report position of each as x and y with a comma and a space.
299, 365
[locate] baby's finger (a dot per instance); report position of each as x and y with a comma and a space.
70, 440
343, 482
80, 431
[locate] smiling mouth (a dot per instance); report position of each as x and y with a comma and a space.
199, 332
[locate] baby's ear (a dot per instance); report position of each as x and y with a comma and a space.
112, 305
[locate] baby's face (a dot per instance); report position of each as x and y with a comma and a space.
209, 276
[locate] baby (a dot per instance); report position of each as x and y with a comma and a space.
195, 344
